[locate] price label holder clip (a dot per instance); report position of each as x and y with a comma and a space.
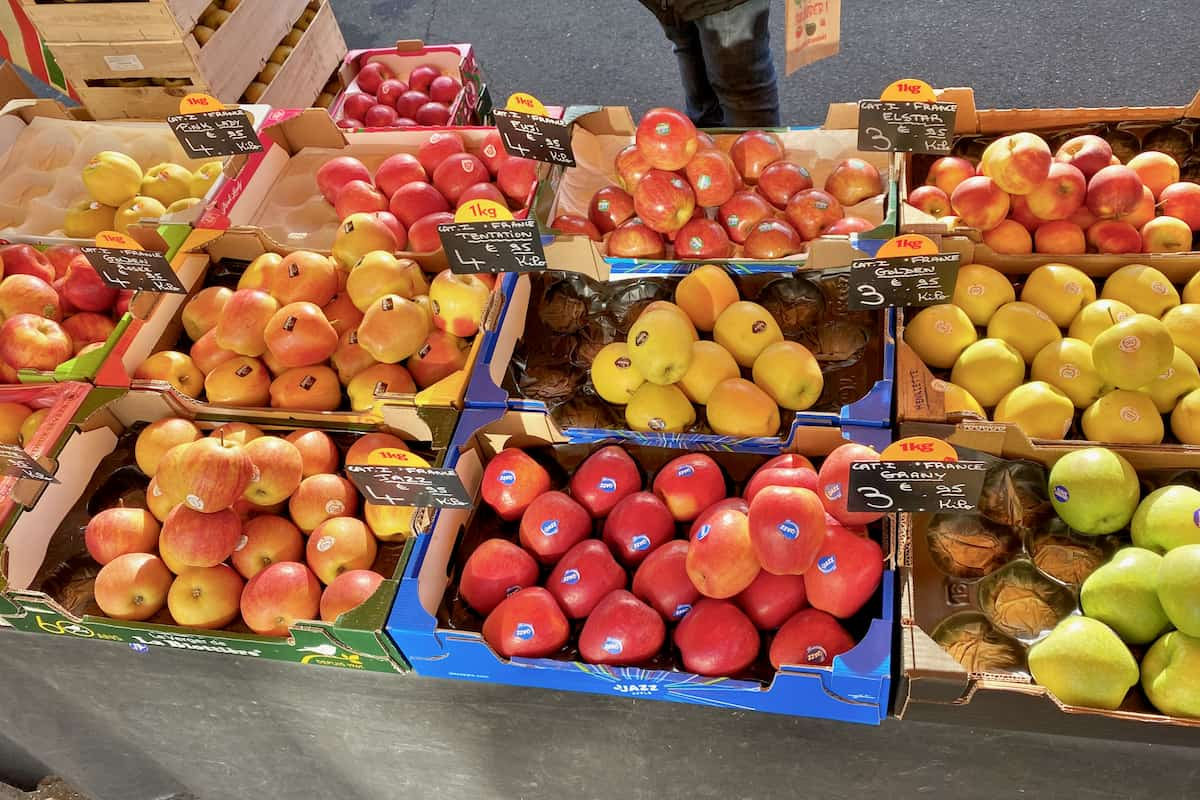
907, 118
418, 487
122, 264
915, 475
907, 271
528, 132
206, 129
484, 237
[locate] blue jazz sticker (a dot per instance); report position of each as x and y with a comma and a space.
640, 542
571, 577
684, 470
827, 564
608, 485
1061, 494
507, 477
524, 631
681, 609
789, 529
613, 646
704, 530
833, 491
549, 527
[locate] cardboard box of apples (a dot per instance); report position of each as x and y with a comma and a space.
725, 579
226, 537
1066, 350
411, 84
1067, 603
656, 194
345, 193
1087, 182
708, 360
295, 336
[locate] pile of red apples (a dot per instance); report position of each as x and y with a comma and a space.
679, 188
411, 194
771, 570
54, 306
1025, 199
244, 524
301, 332
385, 101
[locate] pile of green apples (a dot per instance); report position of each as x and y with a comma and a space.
1144, 600
1124, 353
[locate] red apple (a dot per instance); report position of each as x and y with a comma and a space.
423, 235
338, 545
1061, 237
634, 239
117, 531
24, 259
380, 116
372, 74
321, 497
408, 103
853, 181
689, 484
442, 355
423, 76
833, 481
741, 213
1018, 211
444, 89
575, 225
456, 173
716, 639
492, 152
390, 91
846, 573
301, 275
60, 257
812, 211
1182, 201
1166, 235
26, 294
631, 166
416, 200
350, 123
811, 638
1087, 153
609, 207
667, 138
605, 478
583, 576
84, 289
86, 328
317, 450
1114, 236
753, 151
347, 592
712, 176
930, 199
621, 630
494, 570
773, 238
359, 197
848, 225
782, 179
553, 524
397, 170
771, 599
948, 172
30, 341
433, 114
192, 538
337, 172
787, 526
980, 203
703, 239
516, 178
786, 470
662, 581
482, 191
356, 104
511, 481
528, 624
1157, 170
133, 586
266, 540
1143, 212
636, 526
437, 148
280, 595
1113, 192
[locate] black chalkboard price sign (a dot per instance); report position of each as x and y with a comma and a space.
419, 487
905, 126
532, 136
915, 486
16, 463
493, 246
139, 270
226, 132
905, 281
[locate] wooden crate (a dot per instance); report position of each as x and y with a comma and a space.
223, 67
147, 20
306, 71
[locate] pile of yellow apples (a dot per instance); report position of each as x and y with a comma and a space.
1124, 353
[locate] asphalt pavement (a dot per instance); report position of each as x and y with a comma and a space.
1021, 53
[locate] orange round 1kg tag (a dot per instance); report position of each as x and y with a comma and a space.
394, 457
117, 241
526, 104
919, 448
198, 102
482, 211
912, 90
909, 244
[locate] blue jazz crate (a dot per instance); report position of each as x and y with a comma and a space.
854, 689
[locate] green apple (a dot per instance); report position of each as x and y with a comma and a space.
1133, 352
1185, 419
1143, 288
1060, 290
1123, 416
1067, 366
1176, 381
1094, 490
1038, 409
1096, 317
1122, 594
1083, 663
1025, 326
1179, 587
1184, 324
1171, 675
979, 290
1167, 518
988, 370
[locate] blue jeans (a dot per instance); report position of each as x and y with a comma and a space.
726, 67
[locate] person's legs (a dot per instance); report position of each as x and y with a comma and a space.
703, 107
737, 55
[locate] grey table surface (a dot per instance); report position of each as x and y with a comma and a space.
123, 725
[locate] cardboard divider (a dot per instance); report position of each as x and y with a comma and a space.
471, 107
920, 393
866, 419
935, 687
90, 457
854, 689
599, 135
